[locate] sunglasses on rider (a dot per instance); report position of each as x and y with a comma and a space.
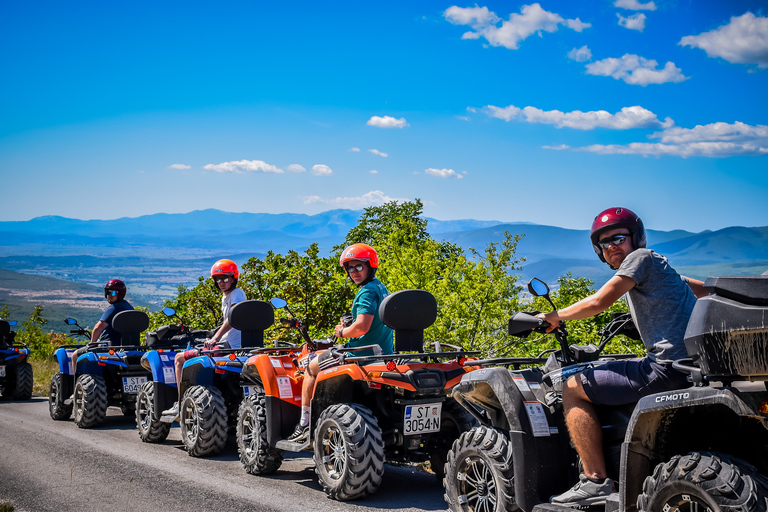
110, 293
221, 279
359, 267
612, 241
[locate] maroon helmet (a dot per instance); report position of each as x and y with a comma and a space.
115, 287
614, 218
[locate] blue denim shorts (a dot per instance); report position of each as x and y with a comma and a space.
627, 381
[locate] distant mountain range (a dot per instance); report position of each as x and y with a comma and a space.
163, 250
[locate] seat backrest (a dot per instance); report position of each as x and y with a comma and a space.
130, 324
408, 313
5, 330
251, 317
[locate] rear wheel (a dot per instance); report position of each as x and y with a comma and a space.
257, 457
56, 406
150, 430
24, 382
702, 481
479, 476
203, 421
90, 403
349, 452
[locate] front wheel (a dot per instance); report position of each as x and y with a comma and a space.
56, 406
203, 421
479, 476
24, 382
90, 403
349, 452
455, 421
256, 456
704, 481
150, 430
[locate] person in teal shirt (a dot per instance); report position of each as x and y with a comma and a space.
360, 261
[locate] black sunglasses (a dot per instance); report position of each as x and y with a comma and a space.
359, 267
221, 279
110, 293
614, 241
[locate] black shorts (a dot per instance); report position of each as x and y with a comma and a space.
626, 382
329, 358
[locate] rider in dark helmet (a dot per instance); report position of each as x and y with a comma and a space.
114, 292
660, 302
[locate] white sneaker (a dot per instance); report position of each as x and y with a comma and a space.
68, 401
585, 493
171, 415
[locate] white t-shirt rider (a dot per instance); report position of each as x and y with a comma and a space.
227, 302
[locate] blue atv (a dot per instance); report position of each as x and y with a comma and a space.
111, 376
63, 381
161, 392
212, 386
15, 372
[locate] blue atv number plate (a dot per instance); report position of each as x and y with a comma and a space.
131, 385
2, 371
421, 419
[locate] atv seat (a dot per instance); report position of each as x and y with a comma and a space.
409, 312
5, 330
752, 290
251, 317
130, 324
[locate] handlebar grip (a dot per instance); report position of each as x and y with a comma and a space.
74, 332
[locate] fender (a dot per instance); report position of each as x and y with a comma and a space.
64, 358
697, 415
199, 370
159, 362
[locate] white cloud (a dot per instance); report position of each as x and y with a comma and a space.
372, 198
627, 118
373, 171
243, 166
636, 70
296, 168
321, 170
561, 147
711, 140
742, 41
443, 173
634, 5
379, 153
179, 166
532, 19
633, 22
387, 122
582, 54
354, 150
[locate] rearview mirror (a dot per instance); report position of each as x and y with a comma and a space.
70, 321
278, 303
537, 287
169, 312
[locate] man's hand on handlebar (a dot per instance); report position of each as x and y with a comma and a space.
553, 319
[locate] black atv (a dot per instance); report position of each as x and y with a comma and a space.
15, 372
699, 448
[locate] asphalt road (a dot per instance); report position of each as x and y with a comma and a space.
53, 465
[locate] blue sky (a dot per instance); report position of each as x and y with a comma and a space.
540, 112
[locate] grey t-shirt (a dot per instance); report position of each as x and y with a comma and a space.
661, 303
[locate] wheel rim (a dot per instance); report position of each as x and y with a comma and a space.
53, 395
248, 437
334, 452
144, 408
477, 486
78, 401
190, 421
684, 502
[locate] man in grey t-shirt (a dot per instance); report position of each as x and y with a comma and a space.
660, 301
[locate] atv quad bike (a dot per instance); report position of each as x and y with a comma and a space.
111, 375
369, 410
15, 372
63, 381
161, 391
695, 449
211, 382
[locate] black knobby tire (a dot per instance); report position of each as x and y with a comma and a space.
479, 475
56, 406
349, 452
150, 430
704, 481
90, 404
257, 457
454, 421
24, 382
203, 421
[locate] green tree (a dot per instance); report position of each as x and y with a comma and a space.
31, 333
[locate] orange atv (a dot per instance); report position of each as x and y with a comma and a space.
370, 409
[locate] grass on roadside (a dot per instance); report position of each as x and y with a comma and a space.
42, 371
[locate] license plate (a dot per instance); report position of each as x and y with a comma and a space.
2, 371
131, 385
421, 419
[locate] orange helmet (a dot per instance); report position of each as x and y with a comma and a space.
225, 267
361, 252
